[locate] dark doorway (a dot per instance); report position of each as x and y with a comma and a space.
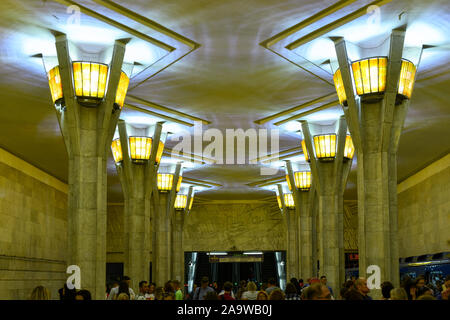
225, 273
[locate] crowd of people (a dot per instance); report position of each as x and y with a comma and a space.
313, 289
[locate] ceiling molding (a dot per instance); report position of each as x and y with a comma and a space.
157, 106
203, 182
304, 114
267, 182
159, 115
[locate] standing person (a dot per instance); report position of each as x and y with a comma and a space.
40, 293
272, 285
159, 293
227, 294
115, 291
83, 295
201, 291
151, 291
316, 291
297, 286
178, 292
291, 292
301, 283
323, 280
143, 291
251, 293
67, 294
262, 295
276, 294
241, 290
360, 291
386, 288
398, 294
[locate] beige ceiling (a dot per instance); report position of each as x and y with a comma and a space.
230, 80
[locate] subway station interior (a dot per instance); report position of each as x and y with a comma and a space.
235, 140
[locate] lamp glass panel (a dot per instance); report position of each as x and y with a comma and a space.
164, 181
55, 84
117, 150
349, 149
288, 182
339, 85
140, 147
325, 146
407, 76
289, 200
90, 79
303, 180
180, 202
369, 75
305, 151
160, 151
191, 202
179, 183
122, 89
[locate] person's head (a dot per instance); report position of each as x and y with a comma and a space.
126, 279
176, 284
143, 286
251, 286
323, 280
40, 293
398, 294
361, 286
123, 296
159, 293
386, 288
290, 288
424, 291
317, 291
243, 284
313, 280
204, 282
151, 287
115, 284
168, 287
227, 286
83, 295
264, 286
300, 281
212, 295
272, 282
124, 287
276, 294
262, 295
420, 282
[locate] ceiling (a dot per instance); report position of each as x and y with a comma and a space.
229, 80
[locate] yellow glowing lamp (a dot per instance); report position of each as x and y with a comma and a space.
191, 202
122, 88
279, 202
288, 182
339, 85
325, 146
349, 149
407, 76
289, 200
159, 152
140, 148
305, 151
370, 75
180, 202
179, 183
117, 150
89, 80
303, 180
164, 182
54, 81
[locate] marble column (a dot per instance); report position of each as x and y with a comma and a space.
137, 184
177, 234
162, 260
376, 126
330, 180
88, 132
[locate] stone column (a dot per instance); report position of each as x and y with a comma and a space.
290, 219
162, 233
178, 252
330, 179
137, 185
308, 247
376, 127
88, 132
